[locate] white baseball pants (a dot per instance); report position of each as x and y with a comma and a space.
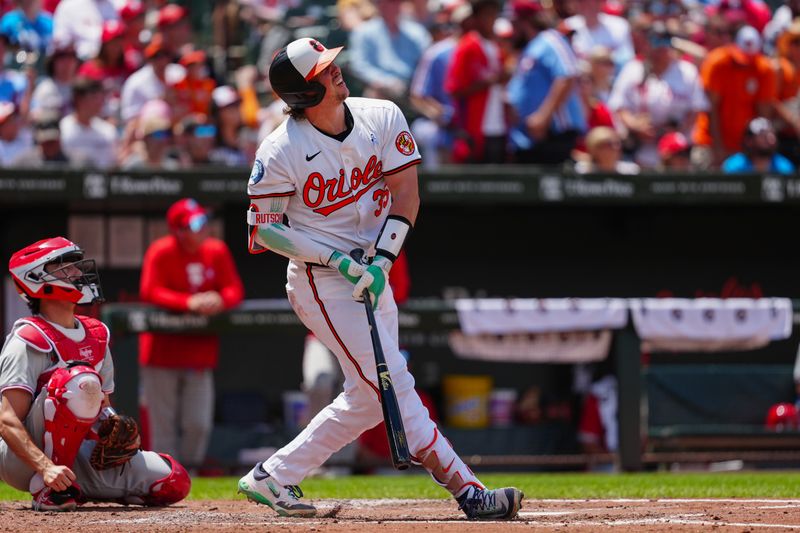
323, 301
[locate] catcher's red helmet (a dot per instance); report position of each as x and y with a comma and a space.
71, 278
782, 417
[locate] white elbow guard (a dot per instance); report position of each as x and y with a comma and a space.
392, 237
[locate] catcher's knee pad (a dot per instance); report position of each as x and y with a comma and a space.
170, 489
74, 397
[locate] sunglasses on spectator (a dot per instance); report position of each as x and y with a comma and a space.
660, 42
610, 143
160, 134
205, 132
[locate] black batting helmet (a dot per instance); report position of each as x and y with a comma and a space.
293, 67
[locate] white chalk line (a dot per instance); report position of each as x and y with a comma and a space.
303, 523
790, 506
187, 517
535, 514
667, 500
528, 499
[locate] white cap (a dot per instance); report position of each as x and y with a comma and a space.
309, 57
748, 40
224, 95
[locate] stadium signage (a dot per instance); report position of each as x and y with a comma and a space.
710, 187
145, 186
33, 184
477, 185
605, 188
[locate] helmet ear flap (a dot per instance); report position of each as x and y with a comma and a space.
310, 95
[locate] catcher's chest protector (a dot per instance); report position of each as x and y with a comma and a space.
40, 335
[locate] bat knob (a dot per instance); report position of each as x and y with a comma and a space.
359, 255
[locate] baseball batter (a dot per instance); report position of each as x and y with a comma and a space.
340, 174
56, 374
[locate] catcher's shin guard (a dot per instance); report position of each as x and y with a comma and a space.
170, 489
74, 397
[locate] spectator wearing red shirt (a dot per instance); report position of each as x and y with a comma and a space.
133, 15
475, 80
173, 23
109, 66
186, 271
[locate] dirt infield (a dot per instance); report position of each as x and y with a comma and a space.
419, 515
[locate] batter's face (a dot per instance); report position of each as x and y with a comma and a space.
335, 87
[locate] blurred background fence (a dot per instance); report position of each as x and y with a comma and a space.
541, 234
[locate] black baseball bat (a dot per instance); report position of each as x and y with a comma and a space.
398, 444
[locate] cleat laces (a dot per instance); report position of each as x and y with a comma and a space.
481, 500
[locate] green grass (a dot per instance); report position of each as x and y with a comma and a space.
572, 486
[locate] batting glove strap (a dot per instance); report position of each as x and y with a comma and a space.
347, 267
374, 280
392, 237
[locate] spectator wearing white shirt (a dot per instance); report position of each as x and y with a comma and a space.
155, 133
385, 50
656, 95
88, 140
53, 94
594, 28
147, 83
81, 22
16, 143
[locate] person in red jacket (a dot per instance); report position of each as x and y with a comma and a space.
186, 271
475, 80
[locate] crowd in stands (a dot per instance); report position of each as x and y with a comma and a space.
597, 85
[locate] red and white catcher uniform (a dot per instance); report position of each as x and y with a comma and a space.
332, 195
67, 401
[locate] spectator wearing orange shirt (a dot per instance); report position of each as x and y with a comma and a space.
186, 271
740, 84
787, 108
193, 93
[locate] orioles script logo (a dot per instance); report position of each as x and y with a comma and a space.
340, 191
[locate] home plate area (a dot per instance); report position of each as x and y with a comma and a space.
420, 515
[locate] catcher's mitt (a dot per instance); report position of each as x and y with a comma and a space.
118, 442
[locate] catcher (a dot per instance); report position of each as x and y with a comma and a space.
61, 440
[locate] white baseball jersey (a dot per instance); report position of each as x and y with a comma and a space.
338, 196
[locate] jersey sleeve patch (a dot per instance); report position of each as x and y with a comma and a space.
405, 143
34, 338
257, 174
